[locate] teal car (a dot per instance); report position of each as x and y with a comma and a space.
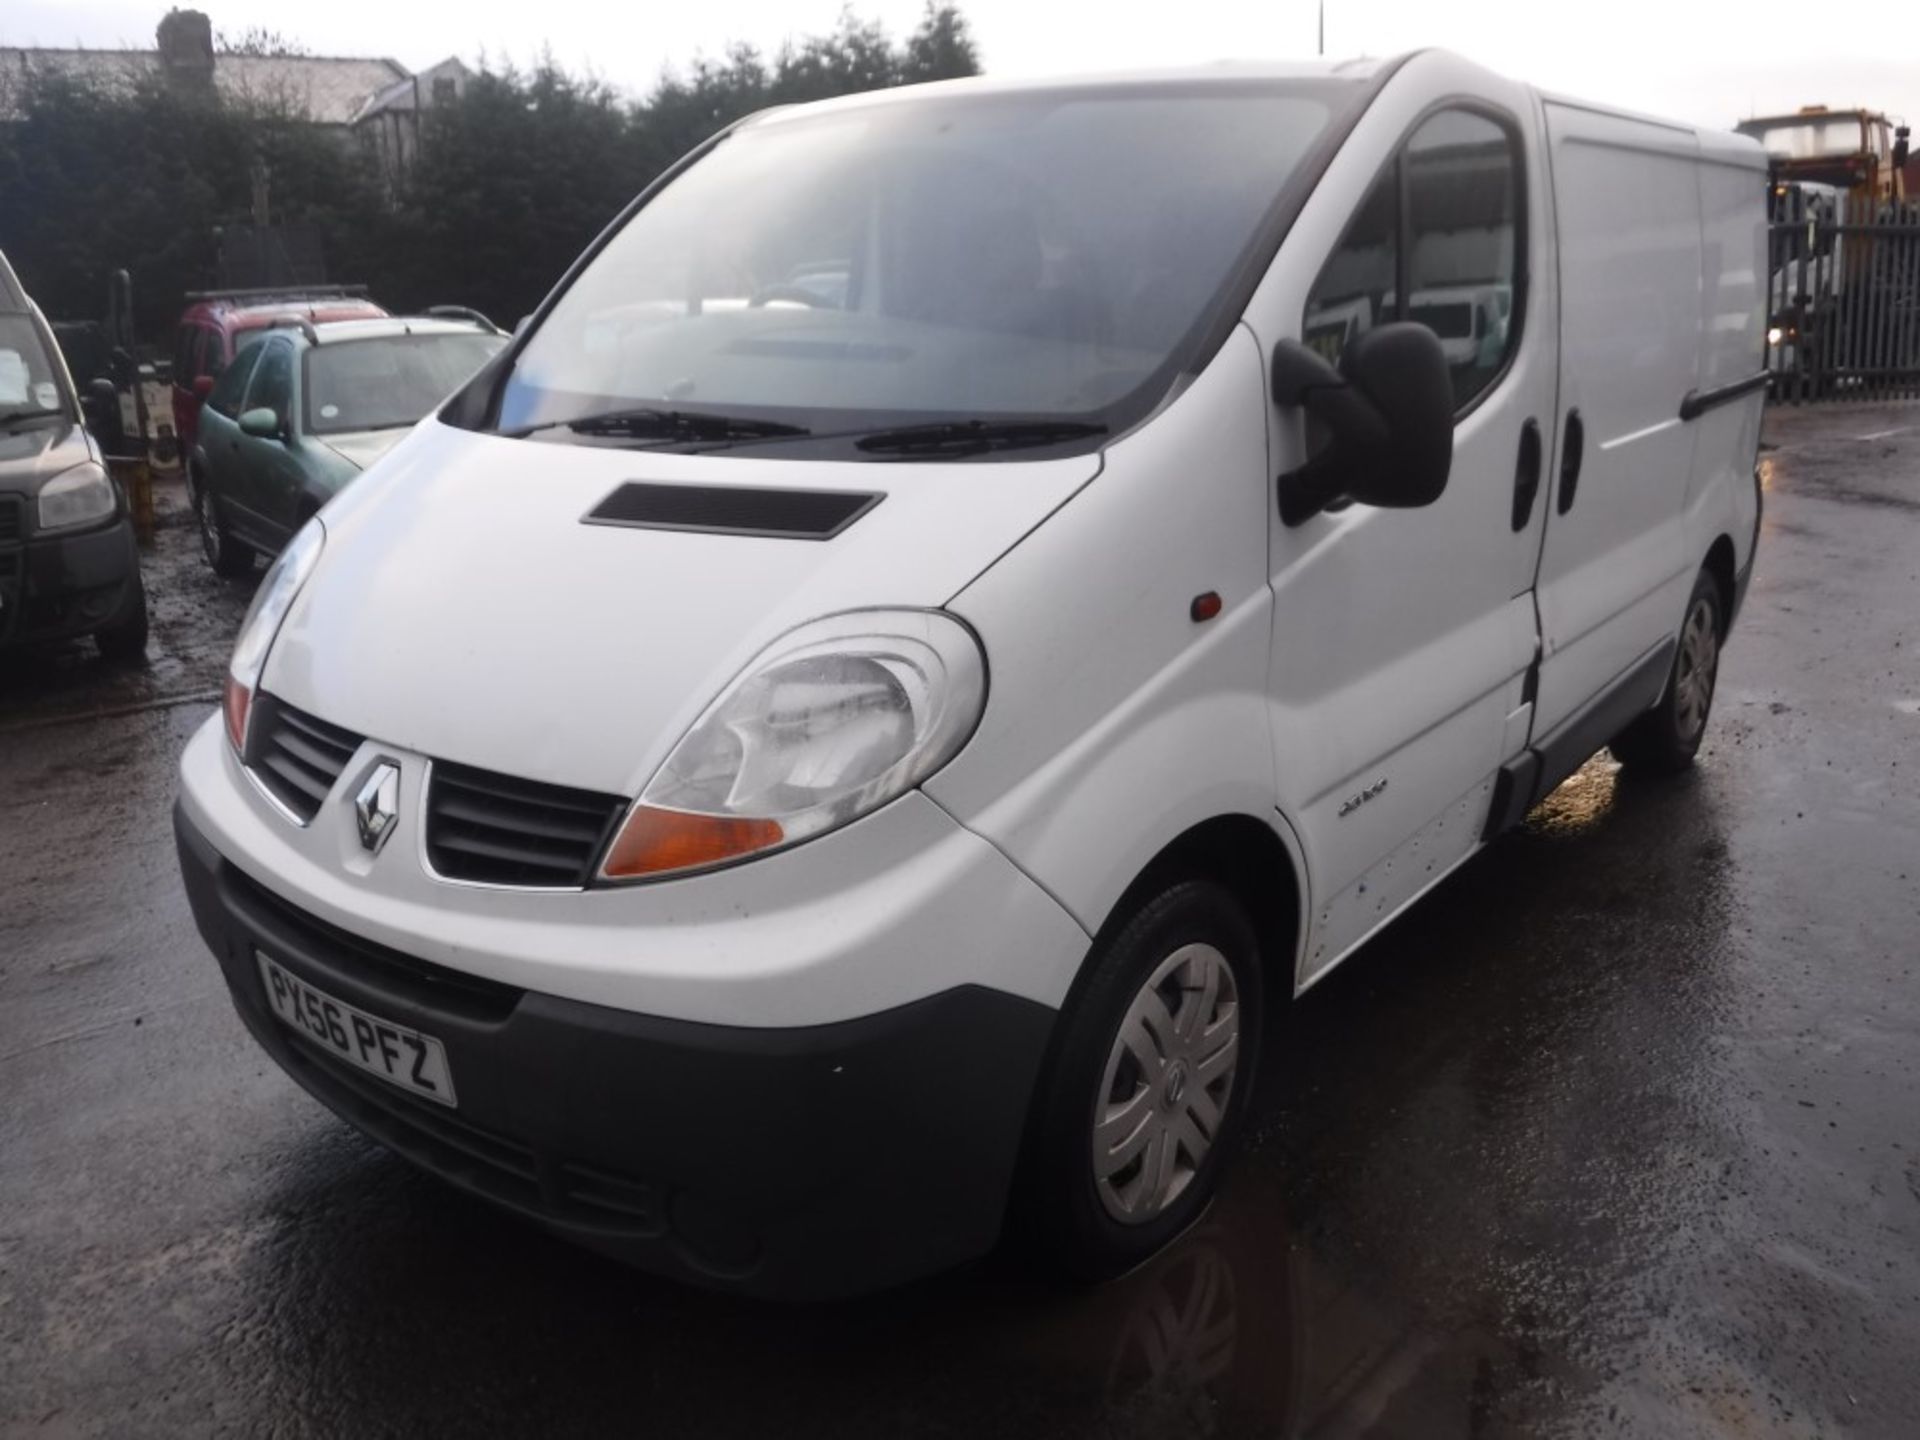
304, 408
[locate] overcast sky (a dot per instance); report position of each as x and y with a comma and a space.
1710, 61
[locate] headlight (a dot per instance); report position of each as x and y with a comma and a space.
270, 605
1774, 335
831, 722
80, 496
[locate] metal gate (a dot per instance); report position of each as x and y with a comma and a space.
1843, 297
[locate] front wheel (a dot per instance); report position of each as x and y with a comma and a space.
1665, 739
1149, 1084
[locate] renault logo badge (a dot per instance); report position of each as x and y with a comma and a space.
377, 806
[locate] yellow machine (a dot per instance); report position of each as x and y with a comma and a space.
1859, 152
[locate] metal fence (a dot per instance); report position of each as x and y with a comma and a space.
1844, 298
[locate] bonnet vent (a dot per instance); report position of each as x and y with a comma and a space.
733, 510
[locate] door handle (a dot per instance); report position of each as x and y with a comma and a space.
1526, 475
1570, 453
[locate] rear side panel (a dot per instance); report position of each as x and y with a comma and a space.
1733, 316
1614, 568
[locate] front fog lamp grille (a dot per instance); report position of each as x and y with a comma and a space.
498, 830
295, 756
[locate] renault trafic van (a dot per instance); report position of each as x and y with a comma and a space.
831, 745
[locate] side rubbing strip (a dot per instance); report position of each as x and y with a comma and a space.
1696, 403
733, 510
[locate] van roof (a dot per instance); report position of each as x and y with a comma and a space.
1224, 72
1719, 143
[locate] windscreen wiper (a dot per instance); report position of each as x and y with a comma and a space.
653, 423
975, 437
15, 417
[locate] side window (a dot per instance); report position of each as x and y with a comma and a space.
213, 354
1440, 221
272, 386
1463, 262
232, 384
1356, 290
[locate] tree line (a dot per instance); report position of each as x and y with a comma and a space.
513, 177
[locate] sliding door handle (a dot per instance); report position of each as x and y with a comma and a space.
1526, 475
1570, 454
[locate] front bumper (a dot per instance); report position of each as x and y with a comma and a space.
807, 1162
55, 587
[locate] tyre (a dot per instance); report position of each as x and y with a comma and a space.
1148, 1084
1665, 739
228, 556
125, 641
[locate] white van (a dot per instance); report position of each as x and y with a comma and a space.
830, 747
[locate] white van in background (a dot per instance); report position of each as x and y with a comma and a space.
782, 779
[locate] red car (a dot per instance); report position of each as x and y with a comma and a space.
218, 323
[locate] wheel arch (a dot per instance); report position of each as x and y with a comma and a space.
1722, 566
1250, 859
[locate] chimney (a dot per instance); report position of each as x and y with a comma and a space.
185, 38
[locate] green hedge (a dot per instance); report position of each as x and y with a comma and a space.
514, 179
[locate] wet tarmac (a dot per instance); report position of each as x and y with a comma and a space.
1616, 1133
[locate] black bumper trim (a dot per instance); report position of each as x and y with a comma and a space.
1744, 576
1527, 779
804, 1163
56, 587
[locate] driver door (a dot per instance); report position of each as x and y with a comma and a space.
1401, 638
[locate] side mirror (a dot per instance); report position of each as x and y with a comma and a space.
261, 422
202, 387
1388, 409
100, 402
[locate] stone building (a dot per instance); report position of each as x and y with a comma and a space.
375, 101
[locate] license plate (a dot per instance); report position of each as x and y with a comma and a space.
403, 1057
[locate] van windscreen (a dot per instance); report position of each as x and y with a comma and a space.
1049, 254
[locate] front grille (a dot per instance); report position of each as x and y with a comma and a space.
392, 972
297, 757
498, 830
11, 524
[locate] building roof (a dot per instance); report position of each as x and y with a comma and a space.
406, 94
328, 90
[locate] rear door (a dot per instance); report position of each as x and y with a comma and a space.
1614, 571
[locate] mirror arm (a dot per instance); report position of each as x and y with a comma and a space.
1303, 377
1305, 492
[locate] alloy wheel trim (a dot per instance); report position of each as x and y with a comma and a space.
1695, 669
1166, 1085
